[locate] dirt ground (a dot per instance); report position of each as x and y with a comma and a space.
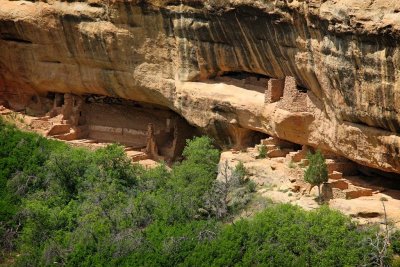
281, 180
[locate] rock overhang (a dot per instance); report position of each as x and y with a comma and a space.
158, 51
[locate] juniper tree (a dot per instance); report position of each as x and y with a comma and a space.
317, 171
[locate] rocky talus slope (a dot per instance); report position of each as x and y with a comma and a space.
323, 73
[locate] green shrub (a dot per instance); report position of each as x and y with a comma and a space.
396, 262
108, 210
200, 150
285, 236
395, 242
262, 152
22, 156
74, 207
240, 173
291, 165
317, 171
239, 199
251, 186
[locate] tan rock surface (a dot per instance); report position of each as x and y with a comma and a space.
282, 182
346, 53
369, 209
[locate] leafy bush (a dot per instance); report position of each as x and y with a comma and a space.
396, 262
240, 173
251, 186
79, 207
74, 207
22, 156
285, 236
230, 193
291, 165
262, 152
395, 242
317, 171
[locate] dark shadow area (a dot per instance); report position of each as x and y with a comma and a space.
251, 81
301, 89
157, 130
11, 38
373, 179
228, 136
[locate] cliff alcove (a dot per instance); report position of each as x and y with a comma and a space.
268, 80
250, 81
152, 131
146, 130
177, 55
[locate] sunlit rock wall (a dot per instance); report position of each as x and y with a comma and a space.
345, 52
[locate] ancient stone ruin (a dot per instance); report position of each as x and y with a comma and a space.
347, 179
149, 75
288, 94
147, 132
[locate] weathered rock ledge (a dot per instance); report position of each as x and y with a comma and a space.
210, 61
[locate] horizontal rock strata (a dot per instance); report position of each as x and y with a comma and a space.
331, 67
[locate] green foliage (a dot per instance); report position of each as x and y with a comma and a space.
317, 171
22, 155
230, 193
201, 151
395, 242
83, 205
191, 179
240, 173
396, 262
262, 152
291, 165
67, 206
77, 207
239, 198
251, 186
285, 236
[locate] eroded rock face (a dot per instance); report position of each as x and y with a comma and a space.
345, 54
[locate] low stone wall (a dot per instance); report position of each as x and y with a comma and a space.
131, 137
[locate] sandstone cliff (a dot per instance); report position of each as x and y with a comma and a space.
343, 55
